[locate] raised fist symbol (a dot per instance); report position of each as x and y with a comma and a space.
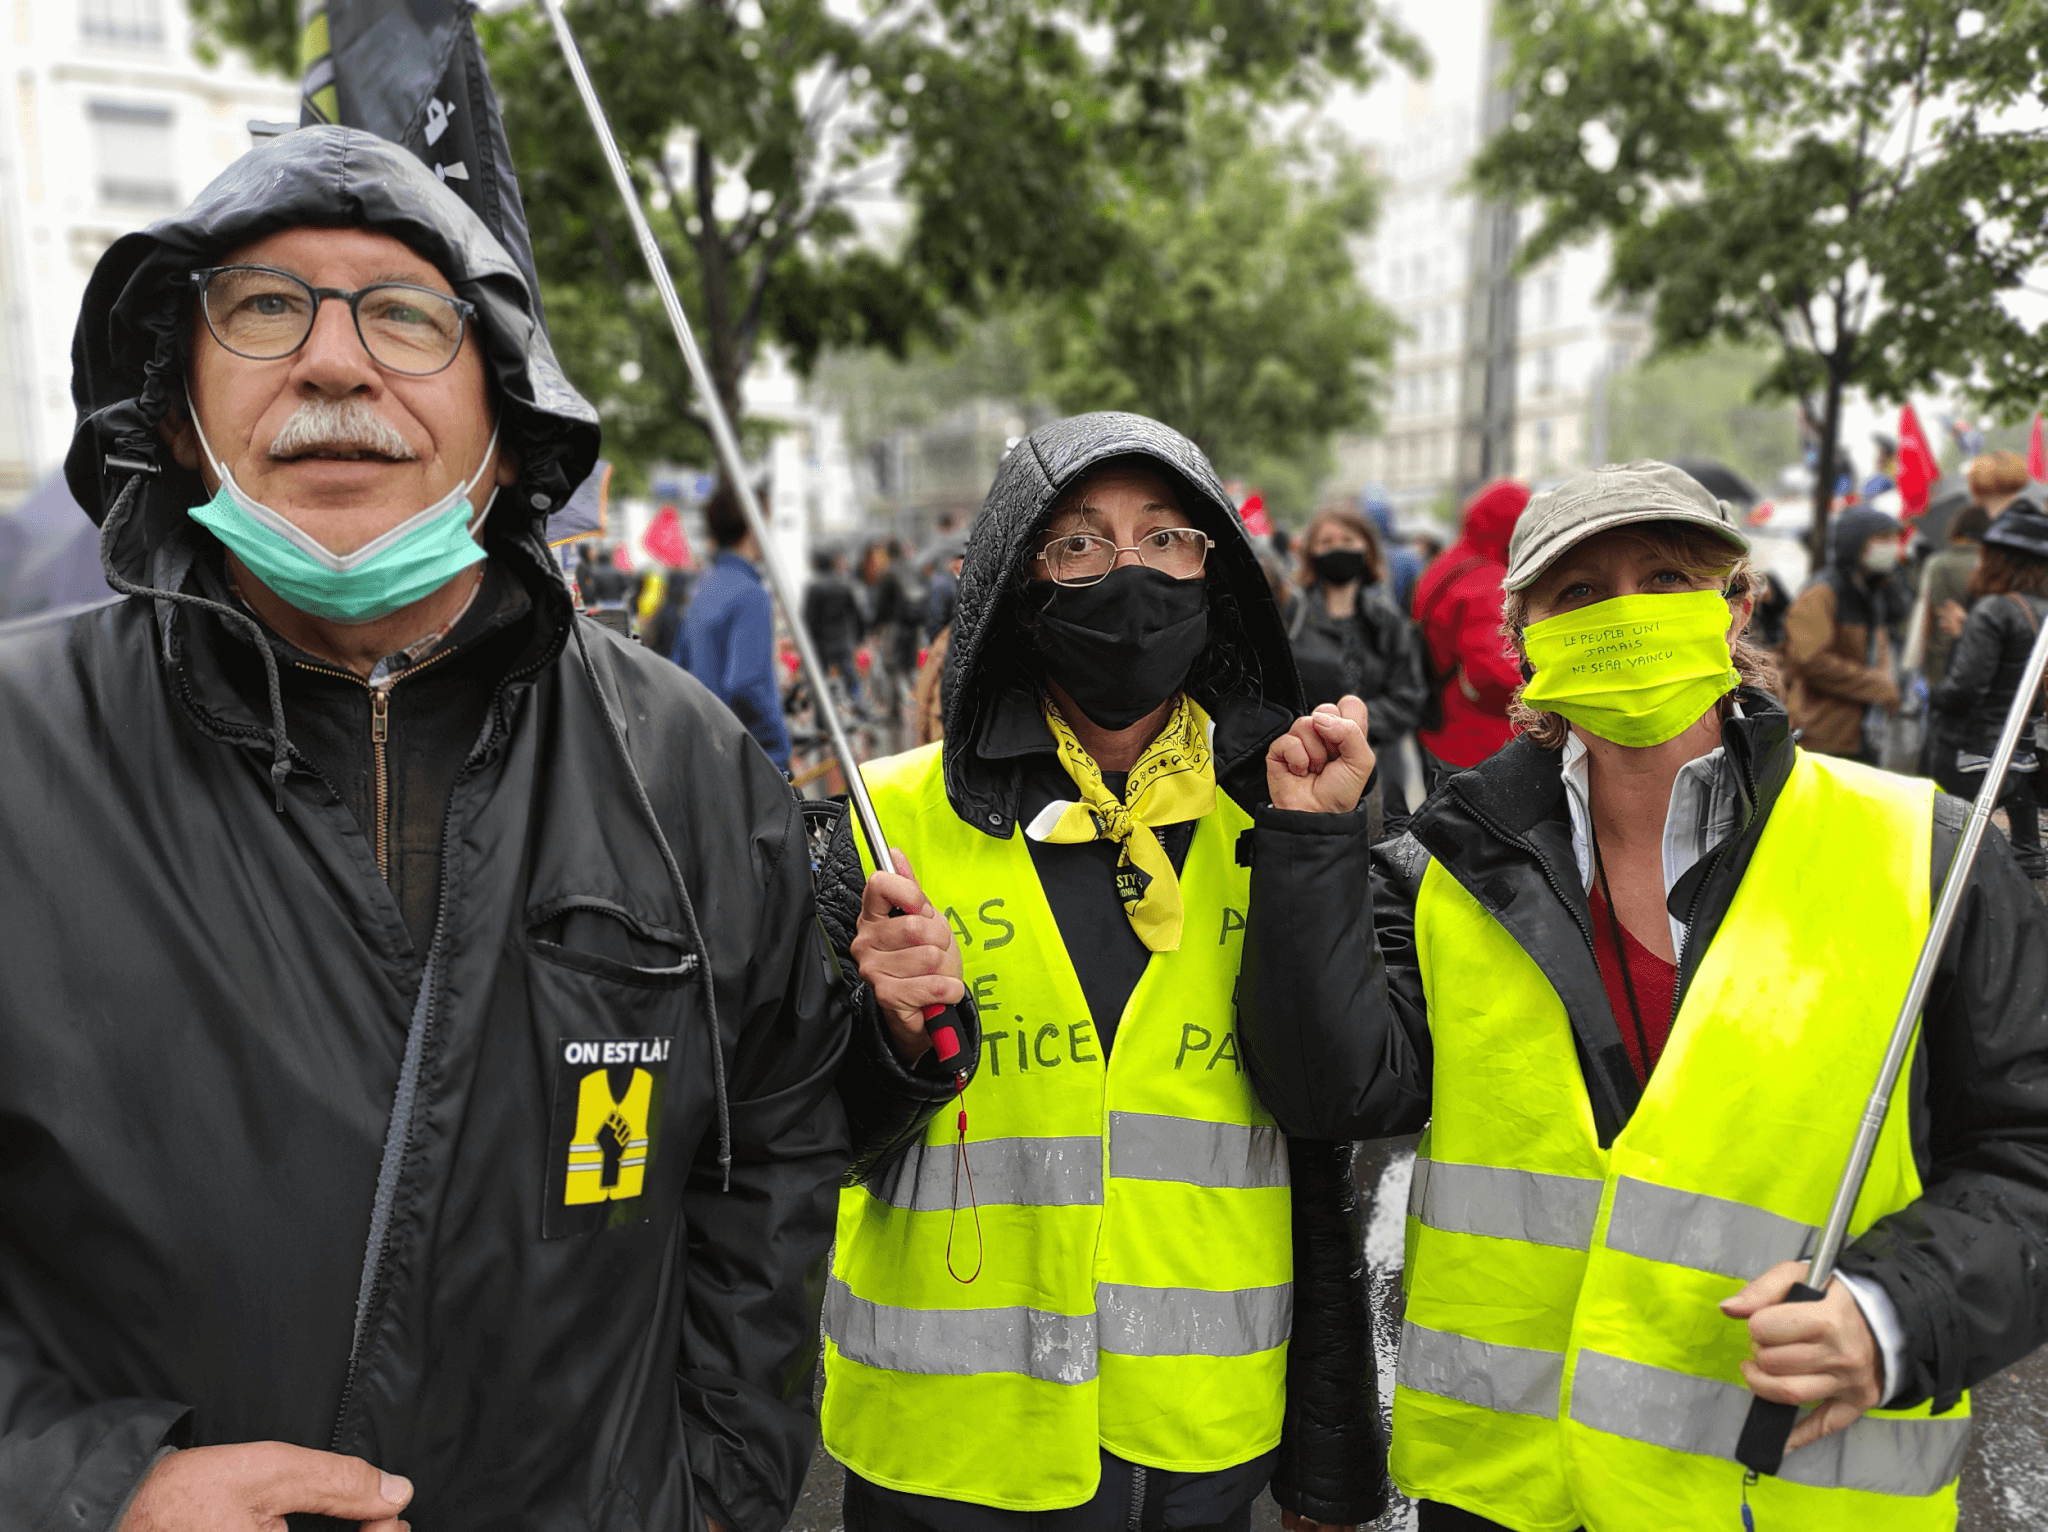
612, 1138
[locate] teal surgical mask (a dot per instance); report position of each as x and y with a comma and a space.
413, 560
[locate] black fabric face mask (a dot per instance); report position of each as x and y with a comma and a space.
1339, 566
1123, 645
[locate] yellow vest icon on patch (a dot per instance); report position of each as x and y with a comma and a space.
608, 1155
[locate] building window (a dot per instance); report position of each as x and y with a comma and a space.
1550, 300
1545, 454
127, 23
1546, 370
133, 144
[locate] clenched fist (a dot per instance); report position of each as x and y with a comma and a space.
907, 955
1323, 763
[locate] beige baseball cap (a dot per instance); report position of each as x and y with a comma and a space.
1614, 496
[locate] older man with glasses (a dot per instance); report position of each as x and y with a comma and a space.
416, 1054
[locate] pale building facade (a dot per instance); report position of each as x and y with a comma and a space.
1429, 261
107, 122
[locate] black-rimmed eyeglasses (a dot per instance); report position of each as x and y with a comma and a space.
1081, 558
263, 314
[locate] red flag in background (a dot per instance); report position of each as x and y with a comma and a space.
666, 540
1917, 468
2037, 455
1253, 511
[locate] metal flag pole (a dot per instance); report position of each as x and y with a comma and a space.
1761, 1448
945, 1040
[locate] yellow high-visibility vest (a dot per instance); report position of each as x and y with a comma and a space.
1563, 1362
1136, 1287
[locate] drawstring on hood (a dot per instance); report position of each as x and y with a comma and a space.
617, 733
110, 532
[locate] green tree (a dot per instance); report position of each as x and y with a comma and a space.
998, 135
1858, 185
1232, 309
1703, 404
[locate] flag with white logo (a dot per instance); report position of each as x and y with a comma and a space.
412, 71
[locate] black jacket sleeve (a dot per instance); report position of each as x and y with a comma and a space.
888, 1104
1966, 1264
63, 1461
1974, 660
1330, 1002
757, 1251
1333, 1457
1398, 708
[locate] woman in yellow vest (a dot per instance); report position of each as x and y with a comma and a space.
1100, 1289
1636, 973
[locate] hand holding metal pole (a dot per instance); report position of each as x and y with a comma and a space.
1762, 1445
727, 442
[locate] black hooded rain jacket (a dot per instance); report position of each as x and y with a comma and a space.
267, 1170
1331, 1464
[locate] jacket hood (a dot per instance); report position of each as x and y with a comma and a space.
1490, 517
1852, 533
128, 353
1244, 674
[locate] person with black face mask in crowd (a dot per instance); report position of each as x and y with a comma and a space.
1110, 1257
1350, 640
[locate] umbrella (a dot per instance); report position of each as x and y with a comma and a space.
49, 554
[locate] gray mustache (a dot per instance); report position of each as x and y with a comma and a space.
339, 424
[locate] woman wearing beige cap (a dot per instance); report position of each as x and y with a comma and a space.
1636, 972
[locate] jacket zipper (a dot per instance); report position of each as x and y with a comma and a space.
380, 739
425, 1019
1542, 866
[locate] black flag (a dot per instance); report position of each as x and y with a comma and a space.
413, 72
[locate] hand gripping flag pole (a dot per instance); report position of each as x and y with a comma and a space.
944, 1039
1761, 1448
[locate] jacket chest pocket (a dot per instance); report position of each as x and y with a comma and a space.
611, 995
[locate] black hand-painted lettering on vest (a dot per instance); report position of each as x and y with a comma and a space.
959, 926
1232, 921
984, 991
995, 922
992, 1053
1023, 1058
1080, 1034
1227, 1049
1188, 1032
1038, 1046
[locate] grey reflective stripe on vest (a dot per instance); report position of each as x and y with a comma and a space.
1192, 1321
1054, 1348
1144, 1147
1704, 1416
1008, 1172
1731, 1239
1505, 1204
1517, 1380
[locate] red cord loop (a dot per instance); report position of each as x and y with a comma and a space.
960, 1163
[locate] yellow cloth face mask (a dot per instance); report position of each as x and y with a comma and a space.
1637, 670
1174, 782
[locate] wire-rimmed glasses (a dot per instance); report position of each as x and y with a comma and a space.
264, 314
1082, 558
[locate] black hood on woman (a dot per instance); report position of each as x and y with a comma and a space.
1243, 675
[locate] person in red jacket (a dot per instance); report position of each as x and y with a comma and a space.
1457, 603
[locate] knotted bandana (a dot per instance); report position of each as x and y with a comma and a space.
1174, 782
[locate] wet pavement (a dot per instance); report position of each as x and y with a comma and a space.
2005, 1481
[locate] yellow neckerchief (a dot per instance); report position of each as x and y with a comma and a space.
1174, 782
